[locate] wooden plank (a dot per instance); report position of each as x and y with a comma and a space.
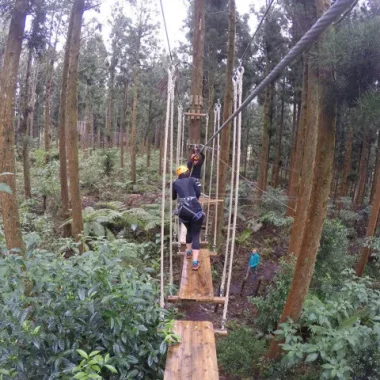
209, 201
211, 253
195, 114
197, 285
215, 300
203, 244
194, 358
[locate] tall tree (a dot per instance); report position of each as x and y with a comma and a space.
227, 111
196, 97
316, 214
72, 119
8, 78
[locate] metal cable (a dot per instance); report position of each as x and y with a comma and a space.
304, 43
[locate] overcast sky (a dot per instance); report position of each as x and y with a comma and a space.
175, 13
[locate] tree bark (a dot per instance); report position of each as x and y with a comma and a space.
8, 79
358, 198
347, 163
227, 111
309, 156
298, 154
265, 139
123, 126
63, 175
318, 200
132, 143
276, 168
24, 128
377, 171
370, 229
196, 98
72, 119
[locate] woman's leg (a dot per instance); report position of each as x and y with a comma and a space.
196, 228
189, 239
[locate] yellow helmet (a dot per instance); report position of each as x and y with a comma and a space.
181, 170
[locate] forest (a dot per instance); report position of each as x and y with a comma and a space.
96, 119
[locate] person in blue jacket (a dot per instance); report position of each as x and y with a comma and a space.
195, 163
253, 263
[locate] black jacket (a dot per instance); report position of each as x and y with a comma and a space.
196, 172
186, 187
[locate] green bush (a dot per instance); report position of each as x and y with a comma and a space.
50, 307
270, 306
334, 333
332, 258
240, 352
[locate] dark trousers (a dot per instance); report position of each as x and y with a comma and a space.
193, 231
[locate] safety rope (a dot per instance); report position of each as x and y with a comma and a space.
303, 44
239, 80
170, 101
232, 183
205, 160
218, 108
211, 175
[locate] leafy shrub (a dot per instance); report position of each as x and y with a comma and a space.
276, 219
338, 329
50, 307
332, 258
270, 306
240, 351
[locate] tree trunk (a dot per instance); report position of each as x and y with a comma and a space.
72, 119
147, 136
265, 139
377, 170
370, 229
227, 111
358, 199
309, 156
24, 128
196, 98
318, 200
123, 124
63, 176
276, 168
294, 135
347, 163
298, 154
132, 145
8, 79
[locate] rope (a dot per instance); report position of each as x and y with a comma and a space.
205, 160
239, 80
256, 31
171, 181
304, 43
170, 99
211, 175
223, 281
218, 107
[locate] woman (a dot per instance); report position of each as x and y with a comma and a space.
190, 213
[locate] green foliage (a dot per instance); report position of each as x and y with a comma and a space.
240, 351
270, 306
332, 259
91, 366
276, 219
108, 162
338, 329
50, 307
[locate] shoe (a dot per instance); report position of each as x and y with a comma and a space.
188, 254
195, 265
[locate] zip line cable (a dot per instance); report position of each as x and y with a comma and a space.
256, 31
166, 31
304, 43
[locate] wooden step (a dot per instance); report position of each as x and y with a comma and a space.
203, 244
194, 358
211, 253
196, 285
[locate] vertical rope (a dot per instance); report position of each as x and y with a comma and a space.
218, 107
211, 175
183, 137
163, 197
239, 75
232, 183
179, 134
205, 160
171, 181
